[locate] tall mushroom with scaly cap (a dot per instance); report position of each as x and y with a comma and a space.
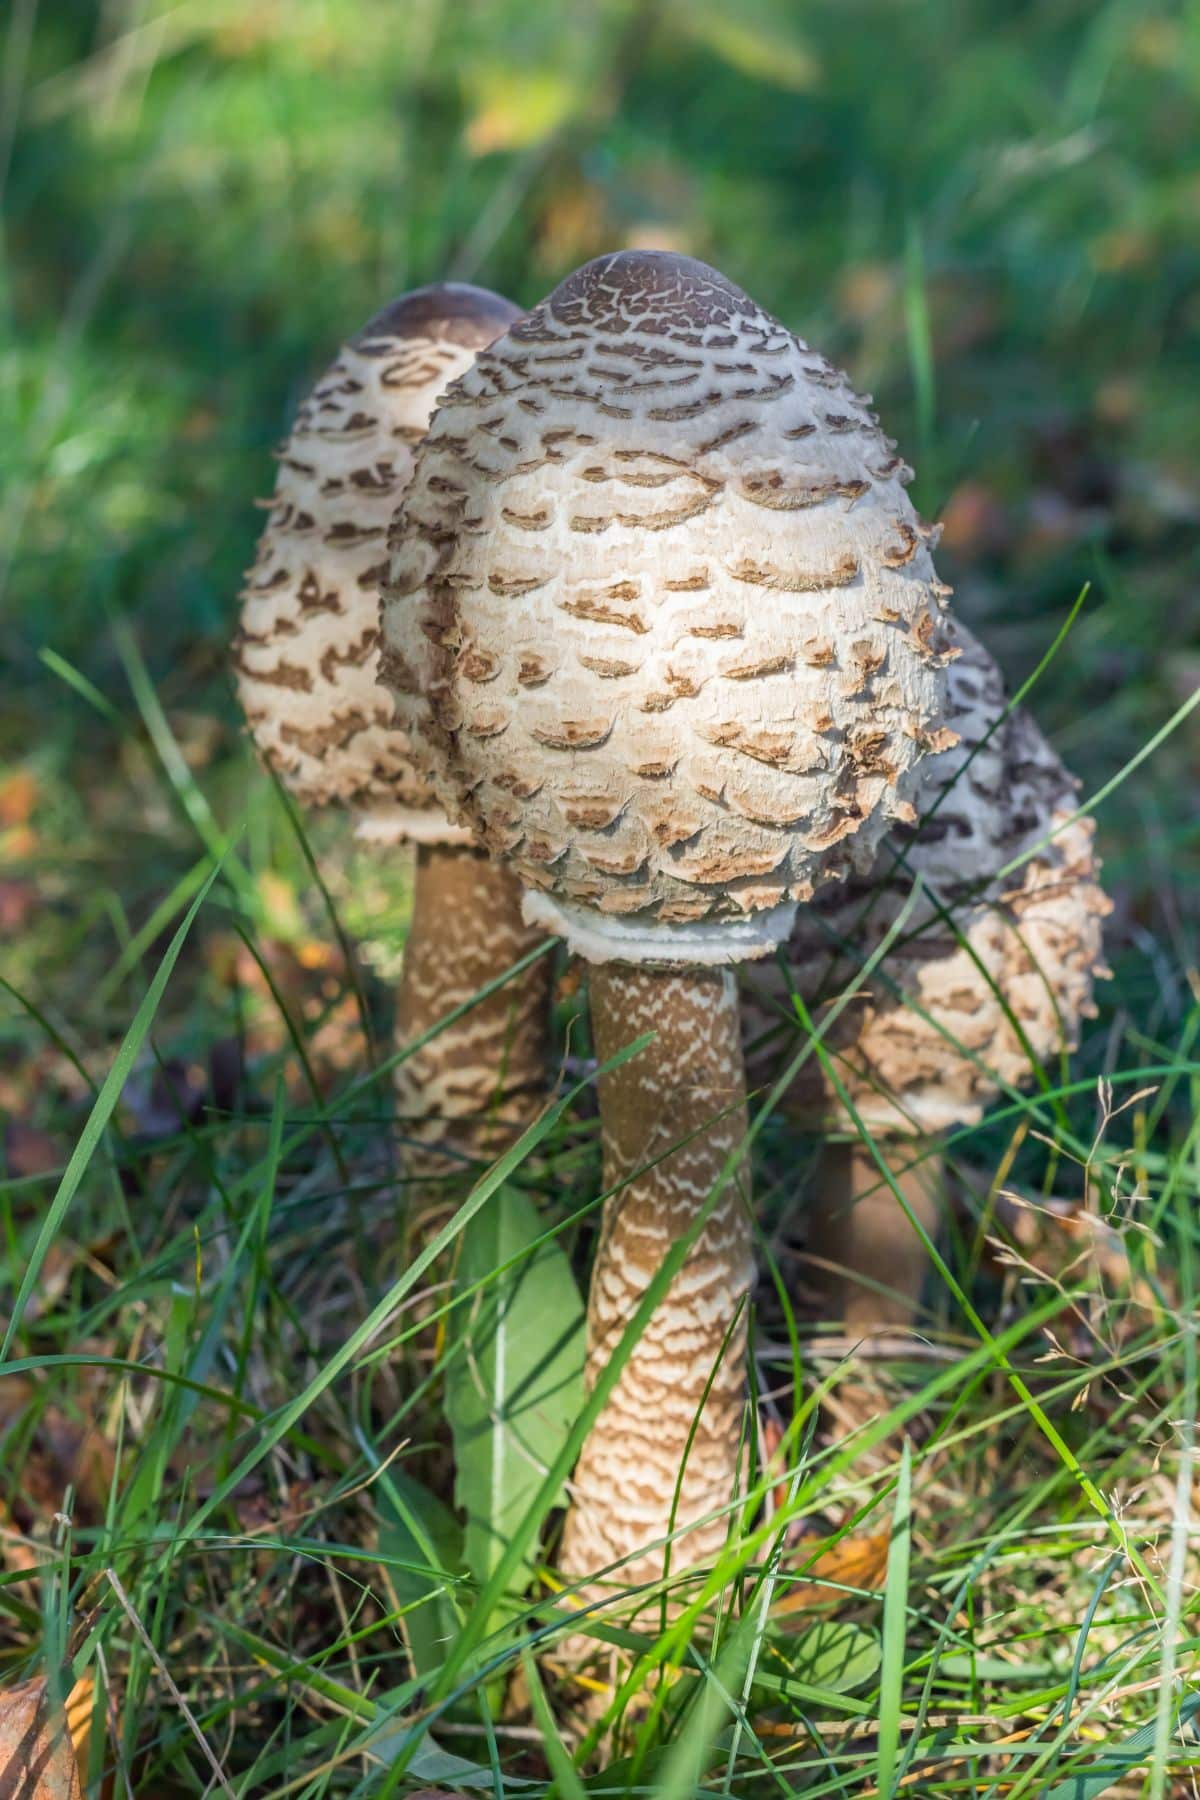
990, 976
663, 616
307, 661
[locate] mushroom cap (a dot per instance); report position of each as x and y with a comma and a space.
307, 653
662, 615
927, 1041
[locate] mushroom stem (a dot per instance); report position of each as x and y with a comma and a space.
475, 1086
868, 1264
685, 1377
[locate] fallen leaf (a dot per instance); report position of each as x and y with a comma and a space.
867, 289
20, 842
28, 1151
849, 1562
38, 1759
516, 108
18, 900
80, 1706
569, 982
282, 917
18, 797
974, 524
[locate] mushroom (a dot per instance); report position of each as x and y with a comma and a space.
307, 661
666, 624
990, 974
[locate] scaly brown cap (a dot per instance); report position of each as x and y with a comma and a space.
663, 615
929, 1042
307, 652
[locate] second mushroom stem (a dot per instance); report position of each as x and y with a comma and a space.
663, 1455
867, 1263
474, 1086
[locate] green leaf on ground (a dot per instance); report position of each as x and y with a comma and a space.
516, 1382
832, 1654
416, 1528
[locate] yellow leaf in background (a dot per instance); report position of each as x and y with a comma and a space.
1156, 42
20, 843
245, 30
282, 917
1125, 248
757, 48
79, 1717
651, 234
866, 289
513, 109
18, 797
574, 225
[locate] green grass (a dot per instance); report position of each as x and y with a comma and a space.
226, 1466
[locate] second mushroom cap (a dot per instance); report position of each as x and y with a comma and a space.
307, 653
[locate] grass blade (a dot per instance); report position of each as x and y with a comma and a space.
1181, 1523
895, 1623
288, 1416
98, 1119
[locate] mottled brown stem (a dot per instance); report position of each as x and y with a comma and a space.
868, 1264
624, 1487
477, 1084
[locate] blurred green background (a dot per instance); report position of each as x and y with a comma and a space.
987, 211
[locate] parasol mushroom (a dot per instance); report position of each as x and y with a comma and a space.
307, 661
665, 622
990, 975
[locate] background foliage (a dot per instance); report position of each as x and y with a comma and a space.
987, 212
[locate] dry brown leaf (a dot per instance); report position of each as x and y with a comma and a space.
27, 1150
39, 1752
18, 901
975, 524
855, 1562
866, 290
